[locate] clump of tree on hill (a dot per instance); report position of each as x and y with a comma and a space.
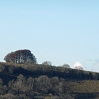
20, 57
43, 81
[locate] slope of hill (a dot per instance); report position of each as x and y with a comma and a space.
20, 81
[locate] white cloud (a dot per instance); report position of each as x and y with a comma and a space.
78, 64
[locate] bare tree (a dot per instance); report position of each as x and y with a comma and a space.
47, 63
66, 66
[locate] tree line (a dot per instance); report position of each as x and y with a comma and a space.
26, 57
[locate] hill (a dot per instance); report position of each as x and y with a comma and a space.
20, 81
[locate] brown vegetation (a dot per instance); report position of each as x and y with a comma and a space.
38, 81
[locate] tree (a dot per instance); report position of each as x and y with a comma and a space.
66, 66
47, 63
20, 56
29, 62
43, 84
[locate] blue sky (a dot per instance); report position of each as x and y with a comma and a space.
60, 31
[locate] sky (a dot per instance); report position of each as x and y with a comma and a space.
60, 31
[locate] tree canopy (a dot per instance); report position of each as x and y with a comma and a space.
66, 66
20, 56
47, 63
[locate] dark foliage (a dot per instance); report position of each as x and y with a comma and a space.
20, 56
21, 81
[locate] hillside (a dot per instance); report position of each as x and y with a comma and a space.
20, 81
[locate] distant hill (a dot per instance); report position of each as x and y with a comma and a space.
21, 81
